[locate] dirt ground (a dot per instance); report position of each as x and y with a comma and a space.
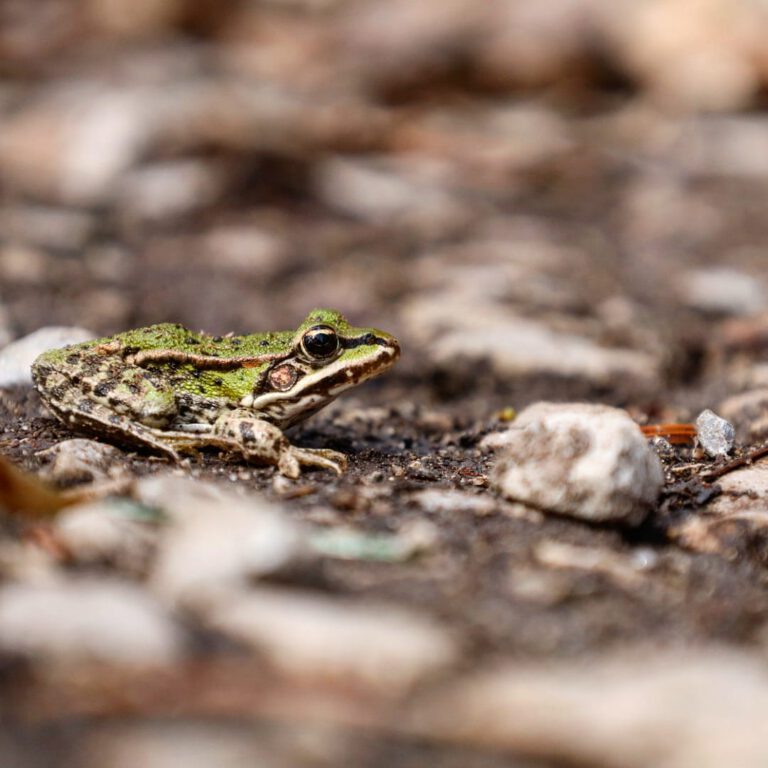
246, 166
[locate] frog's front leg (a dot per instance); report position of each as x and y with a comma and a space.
261, 441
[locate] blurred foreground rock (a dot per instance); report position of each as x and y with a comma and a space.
87, 619
634, 710
734, 523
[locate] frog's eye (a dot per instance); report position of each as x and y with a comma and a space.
320, 342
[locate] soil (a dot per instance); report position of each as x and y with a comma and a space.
419, 426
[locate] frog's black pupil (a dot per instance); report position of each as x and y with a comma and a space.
321, 342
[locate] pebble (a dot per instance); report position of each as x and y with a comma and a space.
581, 460
385, 192
625, 569
113, 531
723, 290
89, 135
82, 461
701, 707
168, 190
453, 326
17, 357
5, 330
311, 635
434, 500
194, 743
735, 522
715, 434
693, 55
216, 539
413, 538
87, 619
748, 412
47, 226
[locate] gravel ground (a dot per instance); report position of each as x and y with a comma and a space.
555, 205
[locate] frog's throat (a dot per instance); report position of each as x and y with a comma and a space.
331, 380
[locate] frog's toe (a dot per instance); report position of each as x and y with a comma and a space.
321, 457
289, 465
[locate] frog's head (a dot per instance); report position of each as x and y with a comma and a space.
326, 357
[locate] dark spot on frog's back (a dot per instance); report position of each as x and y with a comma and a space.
86, 406
246, 431
103, 389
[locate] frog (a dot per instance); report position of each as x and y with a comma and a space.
173, 391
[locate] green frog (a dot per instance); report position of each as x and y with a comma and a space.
171, 390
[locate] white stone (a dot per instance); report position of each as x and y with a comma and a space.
5, 331
80, 460
748, 412
87, 620
171, 189
215, 538
451, 500
106, 531
586, 461
312, 635
715, 434
456, 325
686, 708
381, 191
17, 357
723, 290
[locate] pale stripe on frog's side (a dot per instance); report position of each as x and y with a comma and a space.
169, 389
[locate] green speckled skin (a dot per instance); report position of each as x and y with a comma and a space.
171, 389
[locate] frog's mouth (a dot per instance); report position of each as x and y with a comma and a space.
320, 386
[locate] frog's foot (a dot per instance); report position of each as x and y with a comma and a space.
264, 443
316, 457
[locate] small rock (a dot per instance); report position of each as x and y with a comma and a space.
735, 523
191, 742
626, 570
723, 291
87, 620
748, 412
47, 227
314, 636
73, 143
169, 190
724, 147
384, 192
16, 358
586, 461
715, 435
5, 330
447, 500
671, 708
109, 531
519, 346
413, 538
82, 461
216, 538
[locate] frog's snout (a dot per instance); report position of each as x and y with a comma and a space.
390, 346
